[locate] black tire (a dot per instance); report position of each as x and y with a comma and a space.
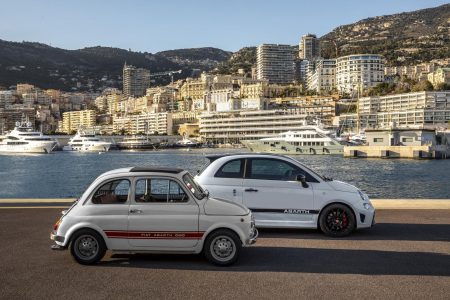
337, 220
222, 247
87, 247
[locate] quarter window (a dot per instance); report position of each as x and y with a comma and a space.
112, 192
159, 190
231, 169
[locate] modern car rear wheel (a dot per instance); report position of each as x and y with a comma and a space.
222, 247
87, 247
337, 220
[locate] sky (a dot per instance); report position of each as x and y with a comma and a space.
152, 26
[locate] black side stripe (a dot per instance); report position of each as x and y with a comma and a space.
293, 211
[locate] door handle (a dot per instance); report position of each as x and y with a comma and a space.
251, 190
234, 192
135, 211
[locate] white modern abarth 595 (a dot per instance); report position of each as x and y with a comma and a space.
282, 192
152, 210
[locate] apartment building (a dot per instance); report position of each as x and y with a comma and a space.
15, 113
135, 81
309, 47
321, 77
233, 126
416, 72
322, 109
275, 63
72, 120
144, 123
421, 108
440, 76
359, 72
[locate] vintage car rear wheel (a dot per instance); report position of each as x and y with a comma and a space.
87, 247
222, 247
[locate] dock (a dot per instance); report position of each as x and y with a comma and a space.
414, 152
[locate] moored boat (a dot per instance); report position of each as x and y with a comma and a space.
309, 139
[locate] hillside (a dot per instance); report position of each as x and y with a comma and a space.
404, 38
95, 67
196, 58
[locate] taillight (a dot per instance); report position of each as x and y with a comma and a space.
55, 227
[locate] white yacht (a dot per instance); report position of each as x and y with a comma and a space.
186, 143
137, 142
24, 139
86, 141
308, 139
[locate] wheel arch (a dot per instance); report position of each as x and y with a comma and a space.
223, 227
94, 228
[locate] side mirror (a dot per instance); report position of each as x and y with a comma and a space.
302, 178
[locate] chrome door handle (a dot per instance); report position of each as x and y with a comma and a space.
135, 211
251, 190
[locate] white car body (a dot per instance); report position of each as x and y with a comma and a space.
133, 227
282, 203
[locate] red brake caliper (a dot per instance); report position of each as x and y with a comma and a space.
344, 220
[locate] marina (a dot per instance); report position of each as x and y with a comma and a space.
65, 174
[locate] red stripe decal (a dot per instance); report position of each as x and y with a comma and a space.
162, 235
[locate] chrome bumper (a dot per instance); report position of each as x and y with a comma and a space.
57, 238
253, 238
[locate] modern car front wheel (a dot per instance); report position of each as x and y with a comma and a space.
87, 247
337, 220
222, 247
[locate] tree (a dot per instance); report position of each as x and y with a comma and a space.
424, 85
442, 87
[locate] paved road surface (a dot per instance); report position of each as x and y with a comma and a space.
406, 256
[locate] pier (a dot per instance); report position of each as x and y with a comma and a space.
406, 255
415, 152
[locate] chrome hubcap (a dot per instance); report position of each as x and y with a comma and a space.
223, 248
86, 246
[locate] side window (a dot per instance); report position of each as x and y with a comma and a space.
273, 169
231, 169
112, 192
158, 190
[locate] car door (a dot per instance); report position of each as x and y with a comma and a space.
227, 181
108, 209
274, 195
162, 215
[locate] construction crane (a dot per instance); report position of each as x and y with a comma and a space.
167, 73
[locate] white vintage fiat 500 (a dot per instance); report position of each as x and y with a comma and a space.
282, 192
152, 210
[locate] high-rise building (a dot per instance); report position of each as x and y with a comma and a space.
135, 81
275, 63
359, 72
309, 47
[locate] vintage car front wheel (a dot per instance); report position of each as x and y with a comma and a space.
222, 247
87, 247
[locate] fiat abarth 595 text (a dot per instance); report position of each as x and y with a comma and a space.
152, 210
282, 192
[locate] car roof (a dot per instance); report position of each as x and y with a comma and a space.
157, 169
214, 157
143, 169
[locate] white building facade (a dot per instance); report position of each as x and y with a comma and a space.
359, 71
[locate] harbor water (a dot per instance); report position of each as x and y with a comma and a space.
68, 174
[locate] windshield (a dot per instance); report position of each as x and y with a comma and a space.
193, 186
